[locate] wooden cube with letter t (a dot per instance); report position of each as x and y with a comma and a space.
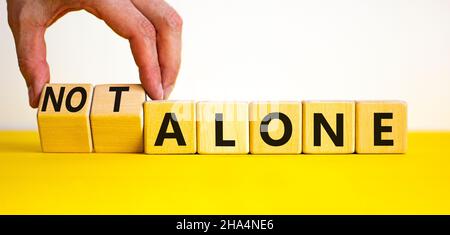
222, 128
63, 118
117, 118
170, 127
381, 127
328, 127
275, 127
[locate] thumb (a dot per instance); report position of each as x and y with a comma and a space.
31, 56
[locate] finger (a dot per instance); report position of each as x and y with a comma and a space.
31, 56
128, 22
168, 25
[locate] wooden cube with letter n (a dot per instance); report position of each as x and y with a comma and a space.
381, 127
275, 127
328, 127
63, 118
117, 118
222, 128
170, 127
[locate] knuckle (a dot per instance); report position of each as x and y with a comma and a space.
26, 15
147, 29
32, 68
23, 18
173, 20
25, 65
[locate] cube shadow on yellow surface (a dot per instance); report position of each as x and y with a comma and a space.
222, 128
63, 118
328, 127
381, 127
170, 127
275, 127
117, 118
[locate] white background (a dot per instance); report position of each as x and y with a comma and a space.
265, 50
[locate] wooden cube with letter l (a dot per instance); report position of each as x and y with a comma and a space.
170, 127
328, 127
63, 118
275, 127
117, 118
381, 127
222, 128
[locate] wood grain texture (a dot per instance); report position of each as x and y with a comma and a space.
329, 110
118, 129
365, 126
63, 130
275, 128
183, 112
235, 127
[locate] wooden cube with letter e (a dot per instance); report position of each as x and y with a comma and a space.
63, 118
328, 127
381, 127
170, 127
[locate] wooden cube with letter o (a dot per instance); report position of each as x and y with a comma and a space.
63, 118
275, 127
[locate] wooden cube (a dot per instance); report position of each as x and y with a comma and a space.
381, 127
222, 128
117, 118
275, 127
170, 127
63, 118
328, 127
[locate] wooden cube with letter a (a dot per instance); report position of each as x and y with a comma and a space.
170, 127
222, 128
328, 127
275, 127
381, 127
117, 118
63, 118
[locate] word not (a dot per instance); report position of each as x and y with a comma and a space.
118, 118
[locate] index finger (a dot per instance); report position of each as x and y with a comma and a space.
128, 22
168, 25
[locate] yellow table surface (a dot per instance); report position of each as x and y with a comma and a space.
32, 182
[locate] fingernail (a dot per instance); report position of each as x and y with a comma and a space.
30, 95
168, 91
161, 90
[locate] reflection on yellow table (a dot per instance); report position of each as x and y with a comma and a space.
32, 182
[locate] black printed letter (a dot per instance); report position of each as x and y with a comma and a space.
378, 129
118, 91
337, 138
264, 129
83, 93
50, 94
177, 134
219, 132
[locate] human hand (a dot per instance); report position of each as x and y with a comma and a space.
152, 27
